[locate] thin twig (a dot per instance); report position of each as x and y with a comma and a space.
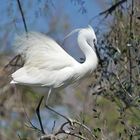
75, 135
22, 14
108, 11
16, 59
61, 130
118, 78
71, 123
112, 8
84, 126
130, 46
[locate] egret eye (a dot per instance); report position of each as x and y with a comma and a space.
94, 40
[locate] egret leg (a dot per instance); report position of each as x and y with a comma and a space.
38, 115
48, 96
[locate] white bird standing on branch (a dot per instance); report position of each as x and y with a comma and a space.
47, 64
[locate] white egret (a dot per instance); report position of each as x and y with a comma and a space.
47, 64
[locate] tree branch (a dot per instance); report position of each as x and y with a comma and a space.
112, 8
22, 14
130, 46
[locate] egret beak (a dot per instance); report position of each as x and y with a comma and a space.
97, 53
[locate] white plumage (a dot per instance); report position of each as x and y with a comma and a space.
47, 64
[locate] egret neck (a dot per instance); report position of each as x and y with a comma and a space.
91, 58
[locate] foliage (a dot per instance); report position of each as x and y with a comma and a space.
119, 81
109, 107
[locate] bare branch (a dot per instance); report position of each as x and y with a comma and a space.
16, 62
130, 46
112, 8
71, 123
22, 14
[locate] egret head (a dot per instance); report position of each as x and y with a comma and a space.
92, 35
89, 35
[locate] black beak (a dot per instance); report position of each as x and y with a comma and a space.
97, 53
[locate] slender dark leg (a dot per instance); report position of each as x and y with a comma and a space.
38, 115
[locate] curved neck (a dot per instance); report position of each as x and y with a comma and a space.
90, 55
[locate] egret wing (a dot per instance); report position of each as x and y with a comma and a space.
42, 77
46, 63
43, 52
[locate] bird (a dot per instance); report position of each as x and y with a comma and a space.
47, 64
